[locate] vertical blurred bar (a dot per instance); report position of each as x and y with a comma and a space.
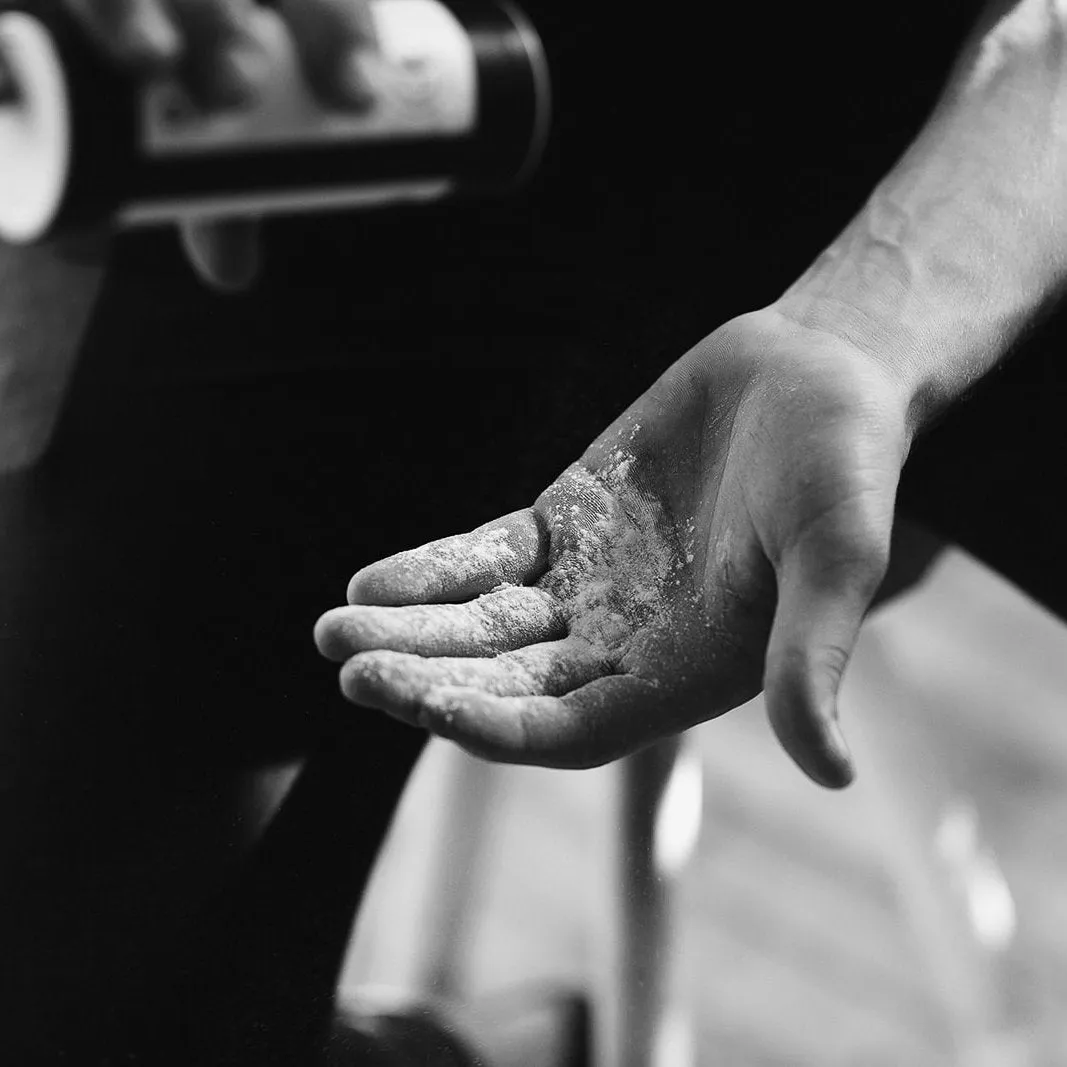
468, 807
658, 805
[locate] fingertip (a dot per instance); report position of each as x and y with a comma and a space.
361, 679
140, 37
161, 35
226, 254
840, 758
806, 725
831, 768
384, 584
823, 755
227, 75
385, 681
327, 635
338, 43
362, 587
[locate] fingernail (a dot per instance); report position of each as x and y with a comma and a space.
161, 35
153, 38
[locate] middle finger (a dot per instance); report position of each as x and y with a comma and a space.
496, 622
224, 63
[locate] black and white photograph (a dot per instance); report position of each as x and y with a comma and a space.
533, 534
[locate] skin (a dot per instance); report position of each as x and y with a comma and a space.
769, 453
738, 508
48, 293
124, 888
214, 48
779, 441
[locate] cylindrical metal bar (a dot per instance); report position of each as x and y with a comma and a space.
462, 105
658, 805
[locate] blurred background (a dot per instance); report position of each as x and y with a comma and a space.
916, 919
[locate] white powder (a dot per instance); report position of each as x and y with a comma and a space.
618, 564
453, 565
509, 617
618, 570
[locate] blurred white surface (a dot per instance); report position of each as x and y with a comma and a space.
832, 929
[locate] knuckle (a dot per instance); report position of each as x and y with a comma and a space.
857, 557
132, 32
330, 36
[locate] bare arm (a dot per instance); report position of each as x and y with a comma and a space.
964, 242
758, 476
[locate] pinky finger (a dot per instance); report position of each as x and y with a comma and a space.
599, 722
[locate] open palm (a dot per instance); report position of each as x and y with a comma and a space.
725, 534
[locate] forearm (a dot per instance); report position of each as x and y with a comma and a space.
45, 304
965, 241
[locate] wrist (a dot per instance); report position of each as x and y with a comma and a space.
864, 322
929, 328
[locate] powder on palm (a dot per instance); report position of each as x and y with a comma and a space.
617, 567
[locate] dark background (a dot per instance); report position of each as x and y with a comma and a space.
224, 465
698, 162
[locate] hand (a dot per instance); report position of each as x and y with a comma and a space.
726, 534
214, 47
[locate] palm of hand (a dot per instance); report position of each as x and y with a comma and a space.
635, 598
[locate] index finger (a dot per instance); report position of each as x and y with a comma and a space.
333, 38
512, 550
138, 33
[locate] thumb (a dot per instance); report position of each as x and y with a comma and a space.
825, 585
225, 253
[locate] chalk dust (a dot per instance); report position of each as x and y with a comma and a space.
618, 568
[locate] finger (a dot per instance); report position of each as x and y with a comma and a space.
496, 622
336, 41
224, 63
140, 34
512, 549
225, 253
603, 720
825, 586
396, 682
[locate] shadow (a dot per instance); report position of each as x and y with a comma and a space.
276, 937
